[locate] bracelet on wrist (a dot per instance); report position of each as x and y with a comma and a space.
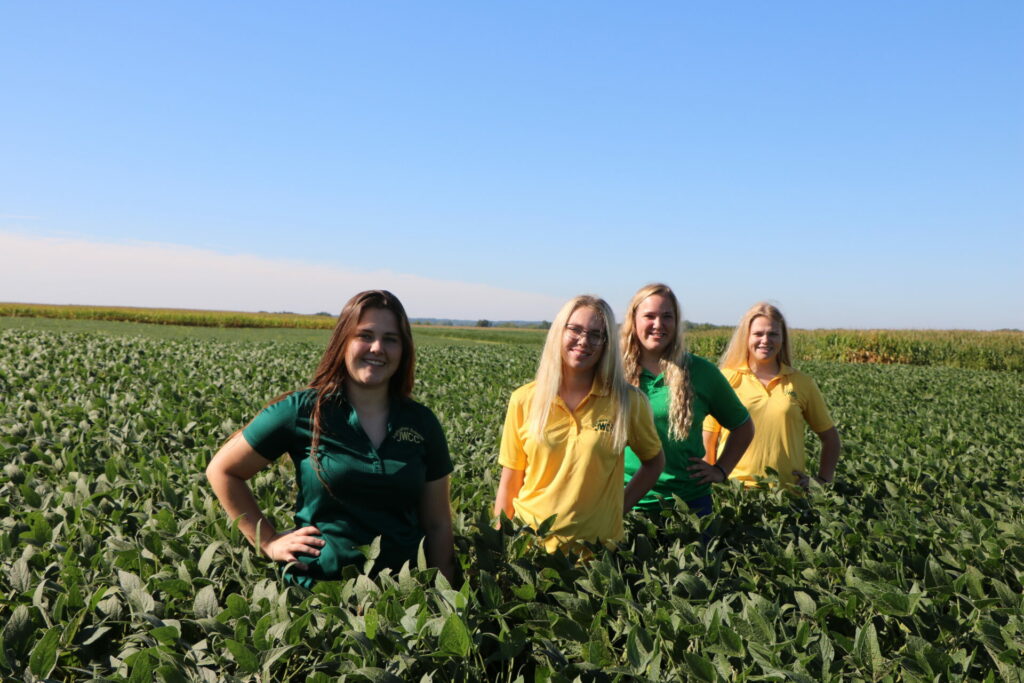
720, 469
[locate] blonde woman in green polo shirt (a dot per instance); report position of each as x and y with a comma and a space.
369, 461
683, 389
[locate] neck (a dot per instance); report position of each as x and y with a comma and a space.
650, 361
573, 380
367, 399
764, 367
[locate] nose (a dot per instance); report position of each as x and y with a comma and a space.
376, 345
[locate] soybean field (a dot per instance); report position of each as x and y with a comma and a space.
117, 563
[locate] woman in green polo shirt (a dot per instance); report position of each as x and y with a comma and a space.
683, 389
369, 461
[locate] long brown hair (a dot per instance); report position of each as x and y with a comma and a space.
675, 360
330, 375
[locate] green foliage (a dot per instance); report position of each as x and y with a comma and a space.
116, 562
1003, 350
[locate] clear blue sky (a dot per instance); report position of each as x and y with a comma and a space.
861, 164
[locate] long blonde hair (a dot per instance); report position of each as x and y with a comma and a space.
607, 375
736, 355
675, 360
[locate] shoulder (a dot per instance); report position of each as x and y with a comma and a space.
638, 400
703, 371
799, 378
635, 393
523, 393
303, 397
701, 368
300, 401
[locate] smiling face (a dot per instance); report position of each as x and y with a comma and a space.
374, 351
655, 323
764, 341
583, 340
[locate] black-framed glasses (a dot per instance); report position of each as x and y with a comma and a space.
595, 337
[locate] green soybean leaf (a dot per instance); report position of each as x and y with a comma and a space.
805, 602
244, 657
205, 605
700, 668
866, 649
370, 620
455, 638
206, 559
44, 655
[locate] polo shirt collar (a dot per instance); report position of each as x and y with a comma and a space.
783, 370
651, 377
395, 404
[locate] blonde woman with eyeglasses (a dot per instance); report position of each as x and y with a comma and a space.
564, 435
683, 389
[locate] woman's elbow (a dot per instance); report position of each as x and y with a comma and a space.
744, 434
438, 527
214, 472
656, 465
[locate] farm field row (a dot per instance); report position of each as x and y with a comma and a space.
1001, 350
117, 562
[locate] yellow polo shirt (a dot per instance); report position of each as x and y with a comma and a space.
779, 412
576, 475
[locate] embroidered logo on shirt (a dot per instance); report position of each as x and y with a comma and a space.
408, 435
603, 425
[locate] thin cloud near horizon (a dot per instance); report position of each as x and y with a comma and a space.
61, 270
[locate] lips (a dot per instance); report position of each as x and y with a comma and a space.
656, 338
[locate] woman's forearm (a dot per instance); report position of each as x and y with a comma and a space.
236, 497
710, 446
735, 446
439, 548
436, 521
643, 480
829, 454
508, 488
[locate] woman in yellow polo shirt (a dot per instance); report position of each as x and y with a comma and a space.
564, 435
780, 400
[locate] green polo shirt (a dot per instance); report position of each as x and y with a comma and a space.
372, 491
712, 395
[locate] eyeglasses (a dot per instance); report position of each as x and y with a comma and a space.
595, 337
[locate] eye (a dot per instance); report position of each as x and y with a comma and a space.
364, 336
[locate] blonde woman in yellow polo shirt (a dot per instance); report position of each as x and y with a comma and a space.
780, 400
564, 435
